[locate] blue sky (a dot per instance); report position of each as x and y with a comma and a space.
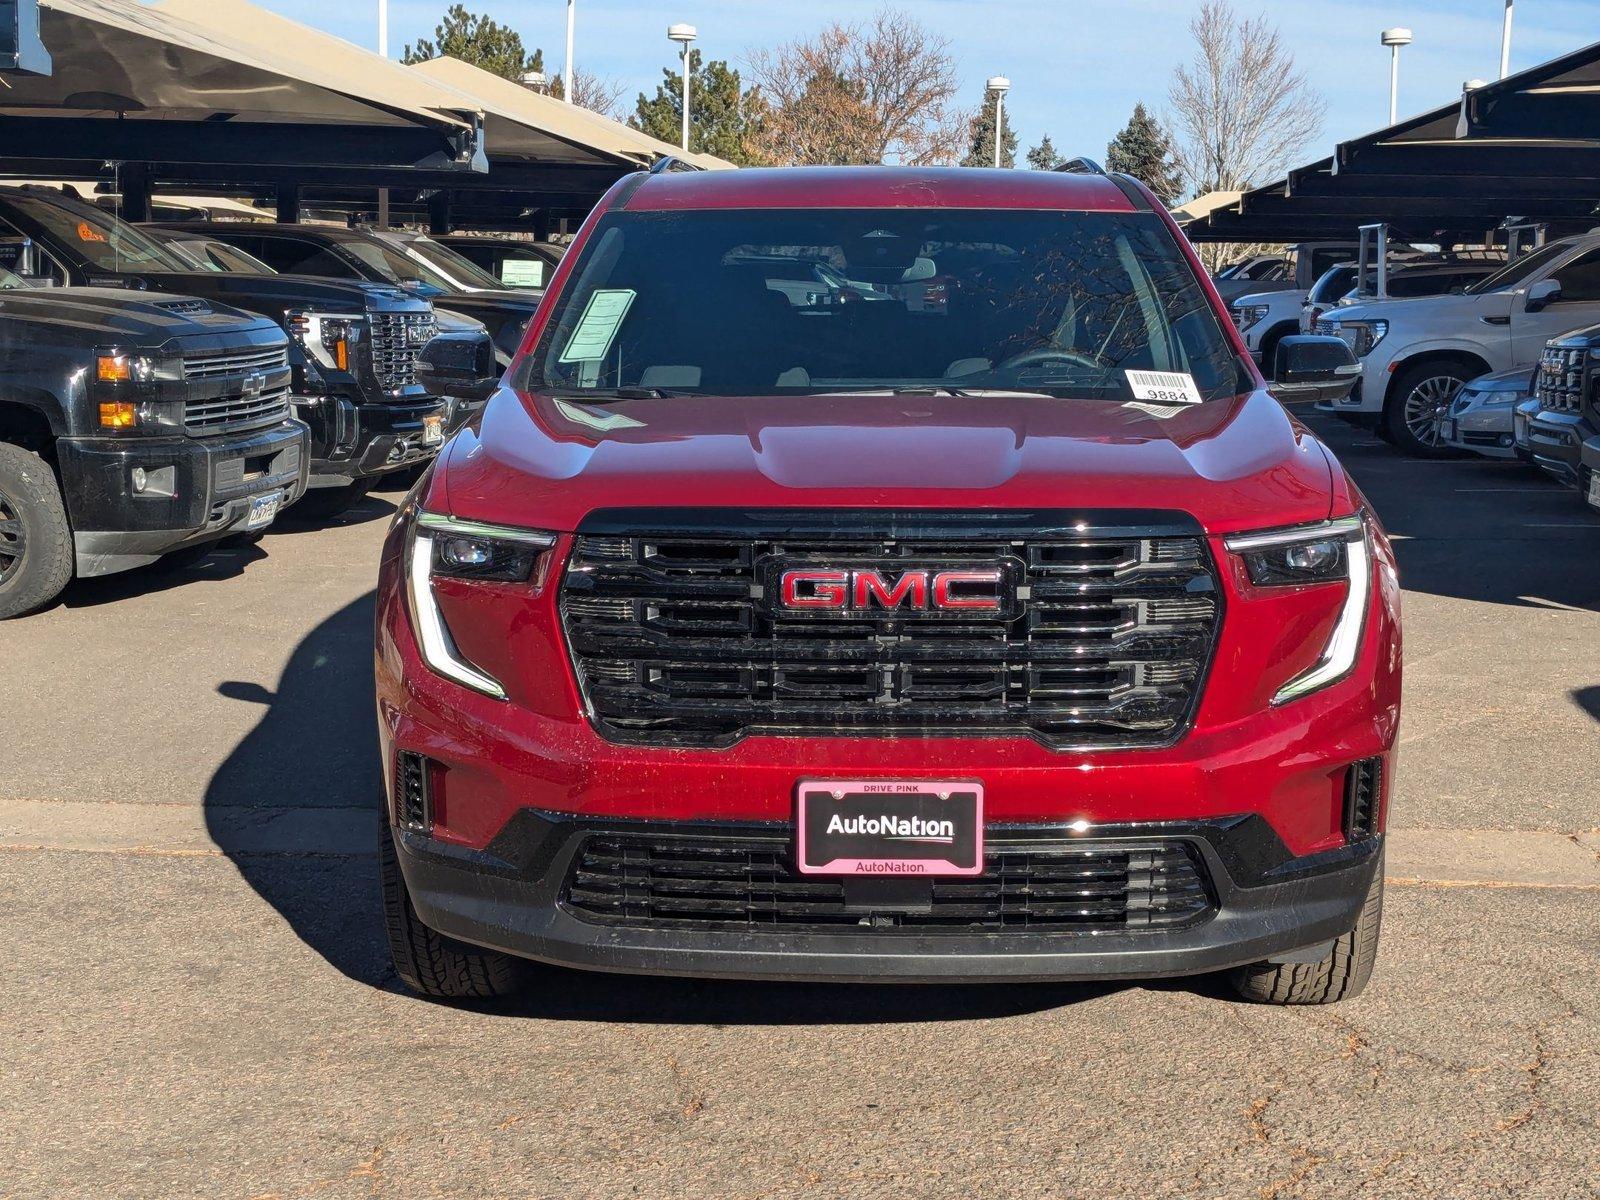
1076, 68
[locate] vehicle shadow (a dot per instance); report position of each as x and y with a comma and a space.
227, 560
313, 753
1588, 699
1496, 531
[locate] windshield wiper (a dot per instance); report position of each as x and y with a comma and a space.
624, 393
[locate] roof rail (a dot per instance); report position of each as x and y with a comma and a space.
1082, 166
671, 162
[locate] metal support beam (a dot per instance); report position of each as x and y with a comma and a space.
288, 203
133, 180
439, 212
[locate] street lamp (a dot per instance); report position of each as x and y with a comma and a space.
383, 27
684, 35
999, 85
571, 7
1505, 43
1394, 39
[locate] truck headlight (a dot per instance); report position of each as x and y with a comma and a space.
1364, 336
1247, 316
1312, 554
445, 547
329, 338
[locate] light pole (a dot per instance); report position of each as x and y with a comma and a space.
567, 90
999, 85
383, 27
1505, 43
1394, 39
684, 35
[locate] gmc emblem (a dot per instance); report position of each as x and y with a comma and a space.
917, 589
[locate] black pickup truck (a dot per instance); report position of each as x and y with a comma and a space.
353, 345
132, 426
384, 256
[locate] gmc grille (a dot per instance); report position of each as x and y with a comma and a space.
1561, 378
645, 880
396, 339
676, 638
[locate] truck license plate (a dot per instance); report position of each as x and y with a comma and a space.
432, 430
888, 827
263, 509
1593, 495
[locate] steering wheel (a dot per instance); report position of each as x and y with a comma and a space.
1029, 358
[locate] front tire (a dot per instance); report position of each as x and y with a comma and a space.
430, 963
1418, 404
35, 539
1339, 975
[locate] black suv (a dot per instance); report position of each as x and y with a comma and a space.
382, 257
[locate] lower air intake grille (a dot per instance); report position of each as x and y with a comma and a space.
413, 793
749, 883
1102, 638
1363, 793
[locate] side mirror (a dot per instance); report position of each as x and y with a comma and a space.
1542, 294
460, 365
1313, 370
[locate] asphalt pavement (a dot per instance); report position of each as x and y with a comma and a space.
200, 1002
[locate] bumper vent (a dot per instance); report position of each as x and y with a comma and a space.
749, 883
1363, 794
682, 639
413, 793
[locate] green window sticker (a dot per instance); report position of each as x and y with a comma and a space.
598, 326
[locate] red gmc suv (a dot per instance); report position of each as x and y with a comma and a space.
775, 622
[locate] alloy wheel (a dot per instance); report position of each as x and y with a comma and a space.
13, 541
1426, 406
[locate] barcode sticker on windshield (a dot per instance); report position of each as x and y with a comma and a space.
597, 327
1164, 387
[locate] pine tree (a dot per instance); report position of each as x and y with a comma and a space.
478, 40
980, 149
1144, 150
1045, 156
723, 115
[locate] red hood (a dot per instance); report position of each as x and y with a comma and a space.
534, 461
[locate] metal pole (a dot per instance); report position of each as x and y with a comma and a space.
1394, 84
383, 27
571, 6
686, 46
999, 123
1505, 43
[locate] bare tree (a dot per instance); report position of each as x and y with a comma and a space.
1240, 110
598, 93
874, 93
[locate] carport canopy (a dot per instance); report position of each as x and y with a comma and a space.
1524, 149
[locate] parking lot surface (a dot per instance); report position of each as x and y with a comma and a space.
200, 1003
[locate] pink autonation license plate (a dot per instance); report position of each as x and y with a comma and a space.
889, 827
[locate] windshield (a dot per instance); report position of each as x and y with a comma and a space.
105, 242
465, 272
396, 265
1333, 284
208, 254
1512, 274
774, 301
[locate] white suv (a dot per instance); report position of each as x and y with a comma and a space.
1416, 354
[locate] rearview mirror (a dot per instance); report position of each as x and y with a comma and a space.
1313, 370
460, 364
1542, 294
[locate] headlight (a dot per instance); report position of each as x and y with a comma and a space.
1366, 335
329, 338
1310, 554
1247, 315
128, 394
444, 547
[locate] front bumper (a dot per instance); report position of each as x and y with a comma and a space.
197, 490
356, 440
1555, 440
1266, 904
1483, 430
1589, 472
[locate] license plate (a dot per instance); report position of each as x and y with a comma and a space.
263, 509
1447, 430
432, 430
1594, 489
886, 827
